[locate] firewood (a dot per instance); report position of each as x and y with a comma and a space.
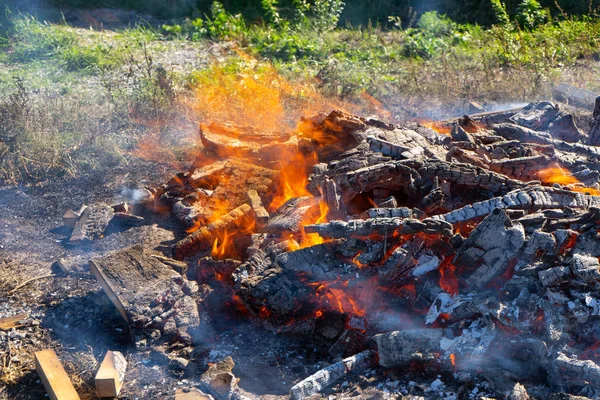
489, 247
326, 377
575, 96
228, 140
204, 237
255, 265
122, 207
580, 372
275, 295
379, 226
401, 262
553, 276
458, 134
545, 116
396, 151
399, 348
540, 242
318, 262
261, 215
123, 220
8, 323
134, 281
396, 212
92, 223
535, 198
516, 132
586, 267
71, 217
53, 376
523, 168
111, 375
289, 216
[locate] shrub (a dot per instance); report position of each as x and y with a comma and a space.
530, 14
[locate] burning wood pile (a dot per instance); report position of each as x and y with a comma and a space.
468, 246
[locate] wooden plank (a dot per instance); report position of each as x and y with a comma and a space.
130, 276
111, 374
7, 323
53, 376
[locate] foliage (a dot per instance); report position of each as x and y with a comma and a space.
500, 13
530, 14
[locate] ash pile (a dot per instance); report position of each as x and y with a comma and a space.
466, 249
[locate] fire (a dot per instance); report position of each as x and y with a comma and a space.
448, 280
556, 174
336, 298
219, 248
453, 359
439, 127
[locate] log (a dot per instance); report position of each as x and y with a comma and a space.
394, 212
399, 348
111, 375
326, 377
318, 262
489, 247
288, 217
533, 199
575, 96
203, 238
580, 372
92, 223
53, 376
379, 226
522, 134
276, 296
227, 140
260, 213
545, 116
523, 168
146, 292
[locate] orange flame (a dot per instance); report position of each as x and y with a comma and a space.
439, 127
336, 298
556, 174
453, 359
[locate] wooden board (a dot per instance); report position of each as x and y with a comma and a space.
131, 279
53, 376
7, 323
111, 374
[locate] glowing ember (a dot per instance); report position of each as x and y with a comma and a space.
448, 281
335, 298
